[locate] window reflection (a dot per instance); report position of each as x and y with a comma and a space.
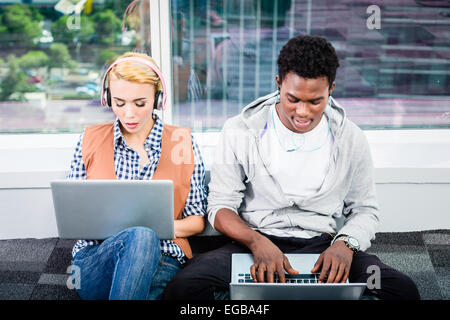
52, 56
224, 56
393, 76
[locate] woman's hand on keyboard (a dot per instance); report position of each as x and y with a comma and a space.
267, 259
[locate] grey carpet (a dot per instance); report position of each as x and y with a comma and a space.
35, 269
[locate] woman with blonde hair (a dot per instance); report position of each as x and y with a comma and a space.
135, 264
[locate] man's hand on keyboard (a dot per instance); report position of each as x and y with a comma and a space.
336, 260
267, 259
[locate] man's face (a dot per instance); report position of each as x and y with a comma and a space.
302, 101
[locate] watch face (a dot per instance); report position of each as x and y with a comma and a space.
353, 242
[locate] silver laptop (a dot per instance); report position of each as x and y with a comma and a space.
303, 286
98, 209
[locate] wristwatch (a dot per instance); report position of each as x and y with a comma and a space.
350, 242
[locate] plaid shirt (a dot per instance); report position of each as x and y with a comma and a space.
126, 162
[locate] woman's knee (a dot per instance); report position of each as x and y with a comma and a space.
140, 234
141, 240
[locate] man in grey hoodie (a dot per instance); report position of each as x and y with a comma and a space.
286, 169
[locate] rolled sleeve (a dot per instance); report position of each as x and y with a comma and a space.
226, 189
361, 208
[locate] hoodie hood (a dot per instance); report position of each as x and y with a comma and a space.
254, 115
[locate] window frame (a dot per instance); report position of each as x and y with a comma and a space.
160, 40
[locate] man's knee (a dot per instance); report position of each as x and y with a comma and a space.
192, 283
180, 287
140, 241
407, 288
398, 286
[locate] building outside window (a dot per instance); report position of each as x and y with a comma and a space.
52, 54
394, 56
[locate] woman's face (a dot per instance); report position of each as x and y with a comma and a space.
132, 103
302, 101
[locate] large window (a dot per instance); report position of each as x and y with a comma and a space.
394, 56
52, 56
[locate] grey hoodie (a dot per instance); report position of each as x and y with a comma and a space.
242, 180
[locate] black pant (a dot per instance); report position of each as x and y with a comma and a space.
209, 273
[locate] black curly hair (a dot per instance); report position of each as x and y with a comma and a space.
310, 57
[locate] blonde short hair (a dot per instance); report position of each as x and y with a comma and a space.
135, 71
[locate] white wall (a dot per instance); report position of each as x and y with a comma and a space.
412, 172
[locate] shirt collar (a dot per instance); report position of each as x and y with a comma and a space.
153, 140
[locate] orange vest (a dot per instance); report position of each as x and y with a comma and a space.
176, 163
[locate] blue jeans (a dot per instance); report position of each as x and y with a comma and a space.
127, 266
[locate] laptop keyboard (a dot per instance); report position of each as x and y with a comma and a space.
290, 278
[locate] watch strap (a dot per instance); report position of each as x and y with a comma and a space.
344, 238
338, 237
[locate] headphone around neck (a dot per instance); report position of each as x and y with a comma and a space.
160, 96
